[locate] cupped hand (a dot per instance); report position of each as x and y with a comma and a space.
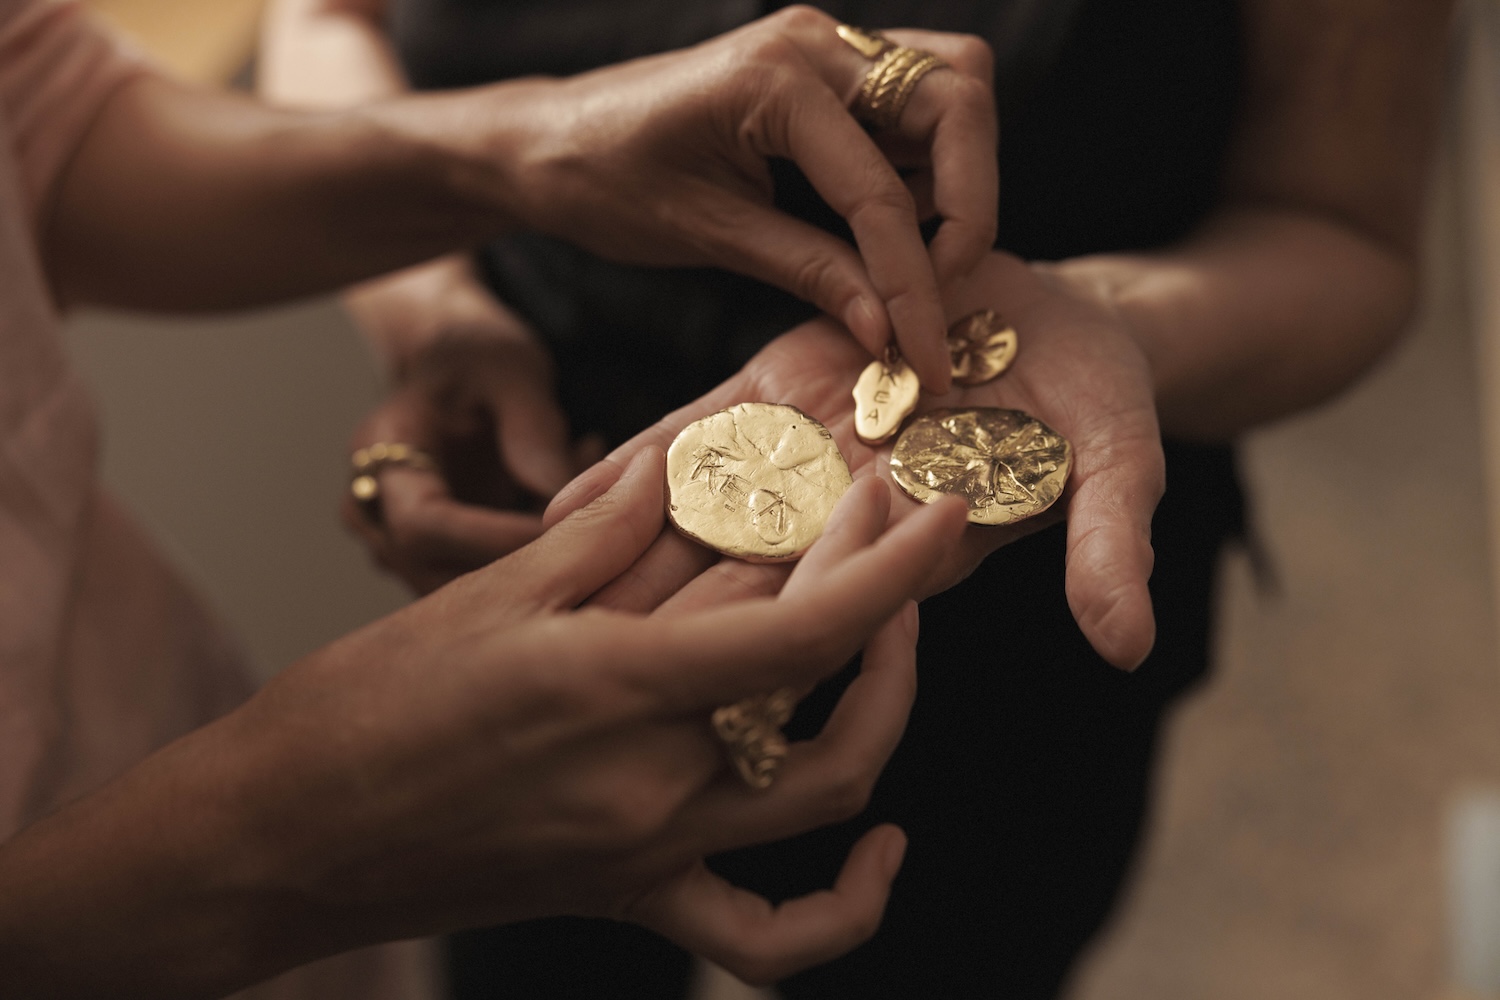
471, 386
1079, 369
497, 752
664, 161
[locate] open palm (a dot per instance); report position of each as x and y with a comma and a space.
1079, 369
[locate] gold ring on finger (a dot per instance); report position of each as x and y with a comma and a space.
751, 733
366, 463
890, 82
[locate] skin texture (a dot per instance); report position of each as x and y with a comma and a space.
1300, 280
471, 384
503, 749
542, 721
660, 161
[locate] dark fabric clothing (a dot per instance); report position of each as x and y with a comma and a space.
1024, 775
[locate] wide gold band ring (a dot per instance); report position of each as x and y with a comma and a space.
366, 463
889, 83
751, 733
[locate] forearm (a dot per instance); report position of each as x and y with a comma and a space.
155, 886
1262, 313
187, 199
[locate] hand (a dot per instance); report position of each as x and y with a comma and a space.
491, 754
663, 161
472, 387
495, 753
1080, 369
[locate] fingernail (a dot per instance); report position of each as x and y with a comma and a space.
861, 318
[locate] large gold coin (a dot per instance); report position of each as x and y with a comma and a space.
885, 395
981, 346
1007, 464
757, 481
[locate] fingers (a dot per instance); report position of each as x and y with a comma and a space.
954, 114
846, 167
1109, 557
816, 266
595, 480
532, 432
760, 943
420, 519
725, 581
829, 779
671, 563
857, 521
597, 542
716, 657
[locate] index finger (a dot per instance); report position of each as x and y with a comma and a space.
849, 171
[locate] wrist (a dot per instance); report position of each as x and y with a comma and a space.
1118, 288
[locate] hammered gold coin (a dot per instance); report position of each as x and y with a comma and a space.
757, 481
885, 395
981, 346
1007, 464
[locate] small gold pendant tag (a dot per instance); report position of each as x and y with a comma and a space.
982, 346
885, 395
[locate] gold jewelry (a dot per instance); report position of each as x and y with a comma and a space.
981, 347
757, 481
751, 733
885, 395
1007, 464
889, 83
367, 462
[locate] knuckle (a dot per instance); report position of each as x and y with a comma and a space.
887, 196
641, 816
974, 55
801, 17
848, 792
818, 279
971, 93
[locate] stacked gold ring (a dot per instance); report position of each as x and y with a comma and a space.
889, 83
751, 733
367, 462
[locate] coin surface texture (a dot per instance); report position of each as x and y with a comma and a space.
757, 481
885, 395
981, 346
1007, 464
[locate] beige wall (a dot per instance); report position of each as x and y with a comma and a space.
228, 437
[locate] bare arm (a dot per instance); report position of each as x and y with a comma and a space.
1310, 268
1304, 275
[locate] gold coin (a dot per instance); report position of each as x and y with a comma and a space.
1007, 464
981, 346
885, 395
757, 481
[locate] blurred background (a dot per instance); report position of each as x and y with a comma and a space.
1309, 792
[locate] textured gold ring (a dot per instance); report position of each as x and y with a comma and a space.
888, 84
366, 463
751, 733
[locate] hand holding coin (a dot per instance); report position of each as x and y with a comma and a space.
1080, 373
